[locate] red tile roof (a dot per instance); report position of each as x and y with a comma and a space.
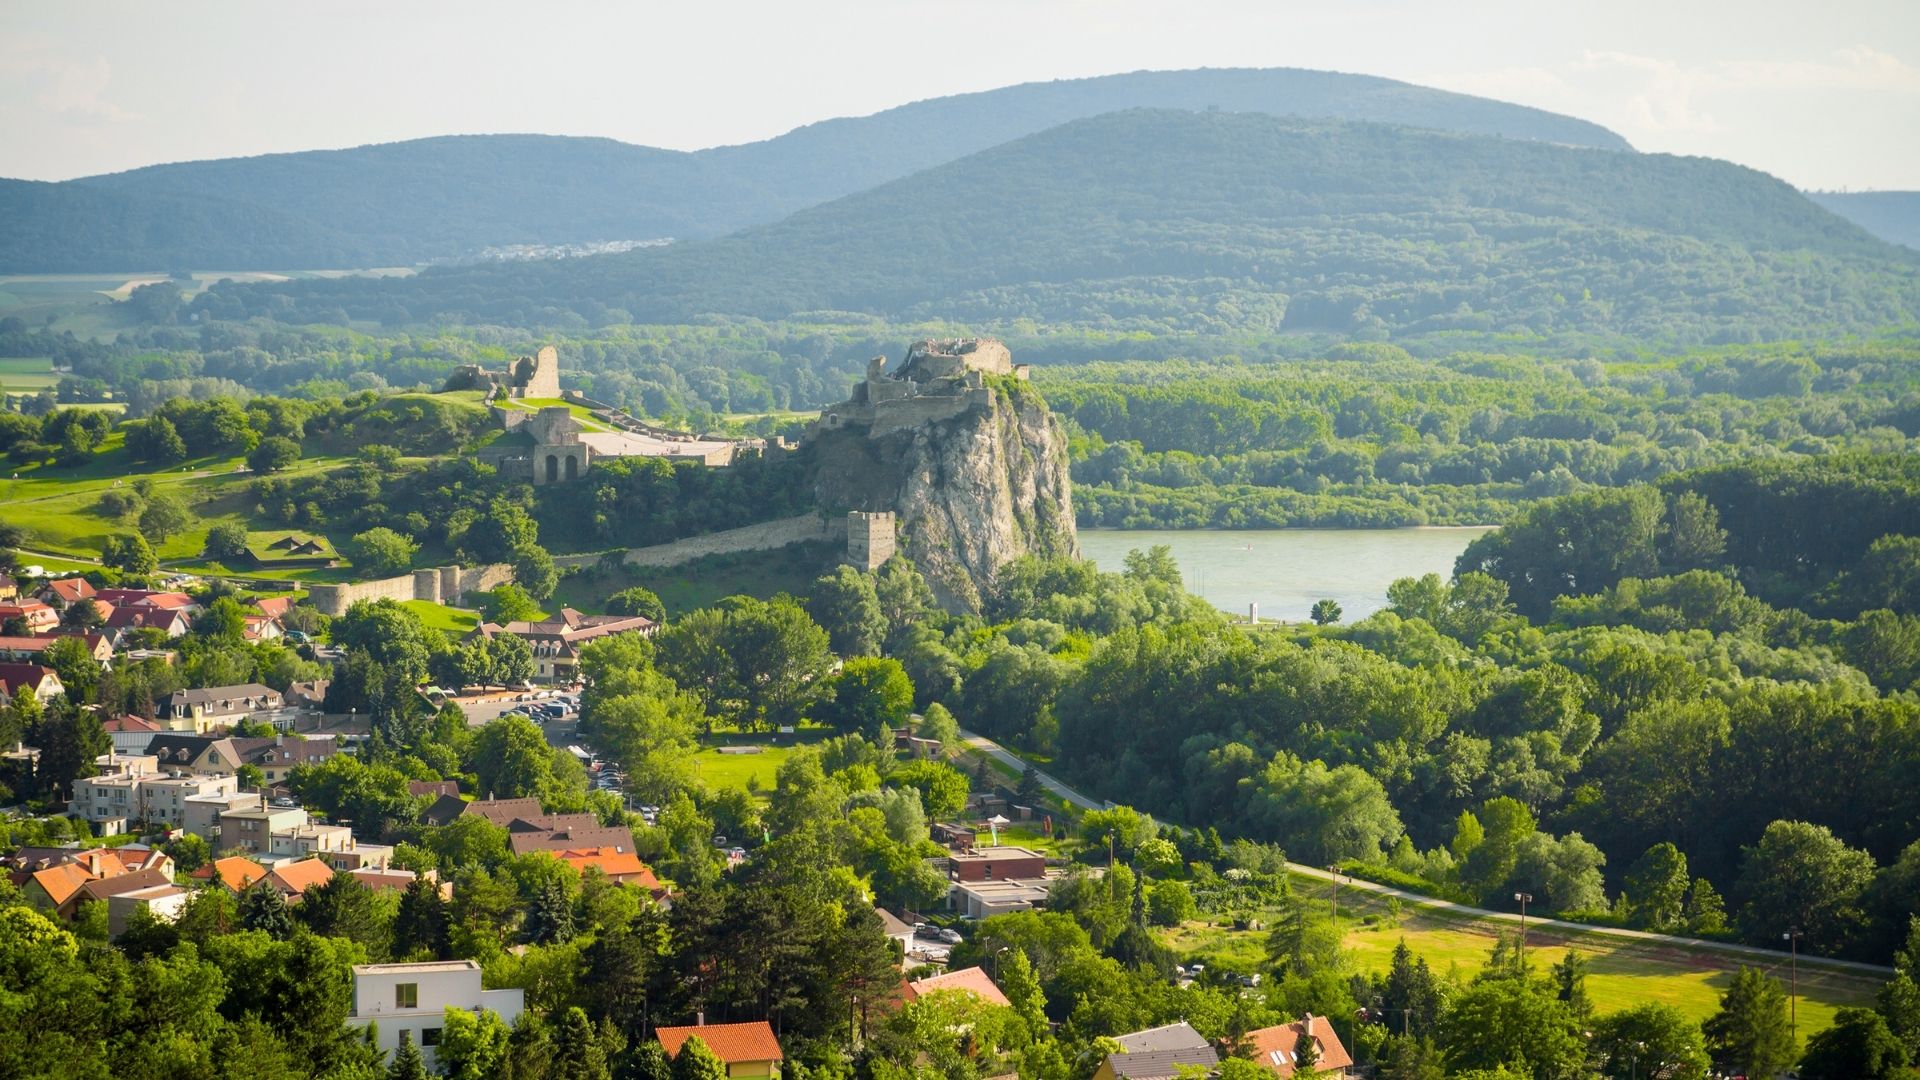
71, 589
731, 1043
234, 872
130, 723
1277, 1048
297, 877
621, 866
973, 980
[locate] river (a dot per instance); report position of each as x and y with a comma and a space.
1286, 570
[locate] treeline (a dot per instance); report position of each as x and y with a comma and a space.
1370, 436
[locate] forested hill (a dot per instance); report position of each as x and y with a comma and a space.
1165, 220
1893, 216
403, 203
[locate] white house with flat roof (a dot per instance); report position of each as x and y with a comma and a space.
413, 998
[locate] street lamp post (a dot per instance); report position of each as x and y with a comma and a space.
1525, 899
1792, 937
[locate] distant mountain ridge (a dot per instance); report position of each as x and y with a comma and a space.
448, 197
1893, 216
1217, 222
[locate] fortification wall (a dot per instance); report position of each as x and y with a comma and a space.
439, 585
931, 409
765, 536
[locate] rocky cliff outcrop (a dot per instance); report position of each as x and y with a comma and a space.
971, 461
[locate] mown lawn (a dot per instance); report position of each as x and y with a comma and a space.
1622, 973
59, 506
441, 617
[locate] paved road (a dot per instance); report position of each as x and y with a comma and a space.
1074, 798
1002, 754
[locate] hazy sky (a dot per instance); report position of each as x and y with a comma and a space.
1823, 94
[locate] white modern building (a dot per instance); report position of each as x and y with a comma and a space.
413, 999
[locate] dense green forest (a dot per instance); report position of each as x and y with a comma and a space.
411, 202
1163, 221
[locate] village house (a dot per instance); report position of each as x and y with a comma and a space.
236, 873
60, 886
9, 588
412, 1000
200, 711
620, 867
293, 879
63, 591
201, 813
1161, 1053
1278, 1048
555, 642
32, 649
130, 734
125, 620
748, 1049
37, 616
218, 755
972, 980
35, 679
163, 901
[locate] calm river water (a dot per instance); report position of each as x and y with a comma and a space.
1286, 570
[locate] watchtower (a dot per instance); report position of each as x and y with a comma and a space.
870, 538
558, 453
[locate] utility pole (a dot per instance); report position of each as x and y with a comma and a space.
1525, 899
1792, 937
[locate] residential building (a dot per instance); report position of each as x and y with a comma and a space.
293, 879
971, 980
222, 755
571, 838
620, 867
9, 588
1004, 863
434, 787
412, 1000
1278, 1048
149, 599
37, 616
172, 622
35, 679
220, 706
556, 641
201, 813
897, 931
164, 902
397, 881
1161, 1053
251, 830
60, 886
110, 799
32, 649
236, 873
747, 1049
308, 839
63, 591
130, 734
103, 890
979, 899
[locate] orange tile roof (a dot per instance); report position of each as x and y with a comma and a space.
235, 872
613, 862
973, 980
731, 1043
1276, 1047
71, 589
296, 878
62, 882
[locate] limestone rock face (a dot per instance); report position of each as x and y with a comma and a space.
974, 488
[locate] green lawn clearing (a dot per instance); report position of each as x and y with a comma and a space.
581, 413
1622, 972
441, 617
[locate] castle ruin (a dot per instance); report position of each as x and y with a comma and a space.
939, 380
536, 376
870, 538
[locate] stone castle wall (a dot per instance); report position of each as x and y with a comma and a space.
439, 585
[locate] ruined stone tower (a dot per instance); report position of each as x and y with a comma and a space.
870, 538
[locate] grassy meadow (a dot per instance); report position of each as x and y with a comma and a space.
1622, 972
